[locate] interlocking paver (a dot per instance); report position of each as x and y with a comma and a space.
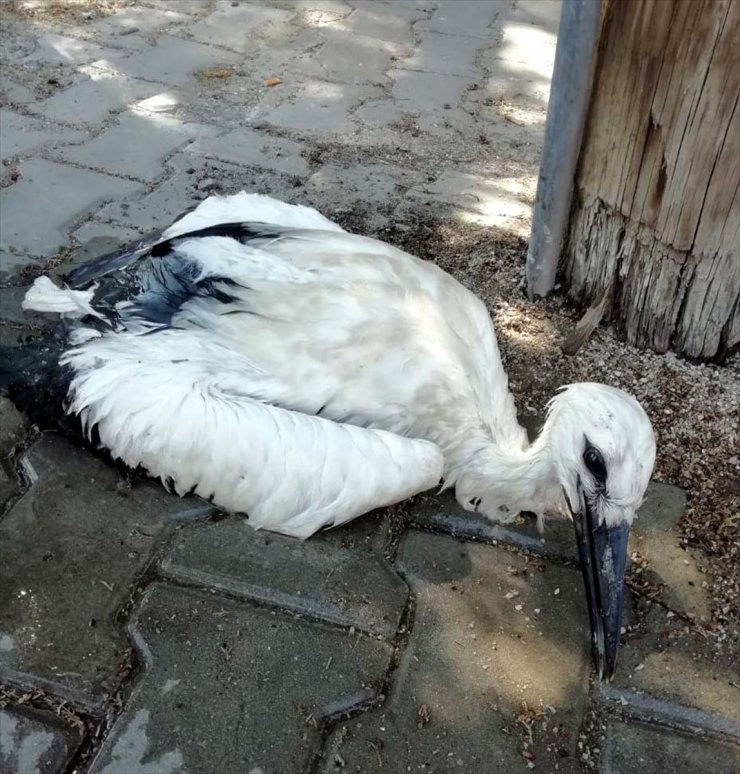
255, 149
409, 11
367, 182
320, 107
671, 565
385, 22
235, 25
172, 60
127, 26
349, 58
443, 513
465, 17
61, 49
70, 562
12, 431
234, 688
663, 507
94, 96
445, 55
486, 622
180, 190
32, 743
420, 92
21, 135
192, 7
339, 576
59, 192
637, 749
136, 145
666, 657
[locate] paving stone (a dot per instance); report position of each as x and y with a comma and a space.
409, 10
93, 239
369, 182
665, 658
426, 92
33, 743
230, 687
255, 149
9, 484
60, 49
179, 191
12, 432
94, 96
320, 108
171, 60
339, 575
443, 513
378, 113
676, 569
235, 26
136, 145
96, 238
73, 546
471, 662
125, 27
21, 135
35, 211
386, 22
664, 505
465, 17
349, 58
12, 426
14, 92
637, 749
485, 200
191, 7
325, 14
12, 312
445, 55
527, 42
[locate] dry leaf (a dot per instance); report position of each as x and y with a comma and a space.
215, 72
422, 716
272, 82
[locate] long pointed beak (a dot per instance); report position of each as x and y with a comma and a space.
603, 555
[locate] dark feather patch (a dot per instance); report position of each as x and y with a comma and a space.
149, 273
170, 282
35, 381
241, 232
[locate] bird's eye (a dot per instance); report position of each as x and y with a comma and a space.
595, 463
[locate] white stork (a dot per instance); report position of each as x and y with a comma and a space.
256, 354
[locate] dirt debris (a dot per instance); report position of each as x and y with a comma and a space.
62, 11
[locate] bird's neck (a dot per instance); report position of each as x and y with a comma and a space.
506, 480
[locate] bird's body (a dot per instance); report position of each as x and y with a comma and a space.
212, 334
258, 355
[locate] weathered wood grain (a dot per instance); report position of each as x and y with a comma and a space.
657, 204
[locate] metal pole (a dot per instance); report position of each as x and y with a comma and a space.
578, 38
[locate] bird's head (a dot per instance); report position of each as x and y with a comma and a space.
602, 448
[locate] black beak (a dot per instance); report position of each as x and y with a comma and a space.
603, 555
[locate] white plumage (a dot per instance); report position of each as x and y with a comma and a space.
324, 374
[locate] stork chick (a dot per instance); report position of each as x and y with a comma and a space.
259, 356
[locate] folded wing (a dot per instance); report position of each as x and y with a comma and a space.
206, 421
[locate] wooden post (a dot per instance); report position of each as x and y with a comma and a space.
656, 206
